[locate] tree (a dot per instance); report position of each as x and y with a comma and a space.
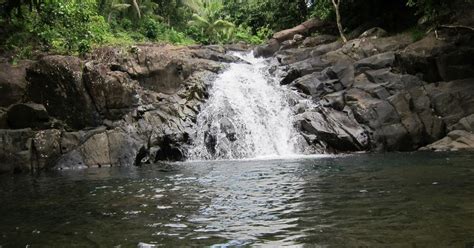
336, 4
206, 19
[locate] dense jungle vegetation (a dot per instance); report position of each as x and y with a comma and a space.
77, 26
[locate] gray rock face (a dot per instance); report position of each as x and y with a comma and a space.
318, 40
267, 50
115, 108
123, 108
334, 128
12, 82
56, 82
16, 153
365, 103
375, 62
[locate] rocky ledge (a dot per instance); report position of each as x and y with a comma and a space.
114, 107
379, 93
122, 107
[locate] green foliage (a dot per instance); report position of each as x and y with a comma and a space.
275, 14
77, 26
157, 31
429, 9
323, 10
209, 25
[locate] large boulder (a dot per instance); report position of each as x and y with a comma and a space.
113, 92
104, 149
56, 82
268, 49
437, 59
46, 148
335, 129
318, 40
457, 64
453, 100
466, 123
13, 82
375, 62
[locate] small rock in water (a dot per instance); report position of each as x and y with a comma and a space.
363, 191
435, 183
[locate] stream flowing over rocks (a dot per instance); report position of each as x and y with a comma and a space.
148, 103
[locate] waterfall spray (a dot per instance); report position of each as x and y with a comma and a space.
246, 116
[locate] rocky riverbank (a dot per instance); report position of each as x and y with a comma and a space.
123, 107
379, 93
114, 107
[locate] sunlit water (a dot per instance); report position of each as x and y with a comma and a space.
247, 115
385, 200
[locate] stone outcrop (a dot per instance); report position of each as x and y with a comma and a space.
382, 93
116, 107
124, 107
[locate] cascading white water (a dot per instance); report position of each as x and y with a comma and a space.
246, 116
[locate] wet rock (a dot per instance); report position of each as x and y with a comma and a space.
169, 151
267, 49
27, 115
228, 128
125, 149
392, 137
336, 129
47, 148
100, 148
95, 151
71, 140
16, 150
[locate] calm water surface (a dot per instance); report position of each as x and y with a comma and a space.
384, 200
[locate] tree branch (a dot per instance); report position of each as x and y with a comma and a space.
457, 26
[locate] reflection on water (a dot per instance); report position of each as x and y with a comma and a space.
401, 200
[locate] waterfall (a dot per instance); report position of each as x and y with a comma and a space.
246, 116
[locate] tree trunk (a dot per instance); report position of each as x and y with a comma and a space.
338, 19
137, 8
